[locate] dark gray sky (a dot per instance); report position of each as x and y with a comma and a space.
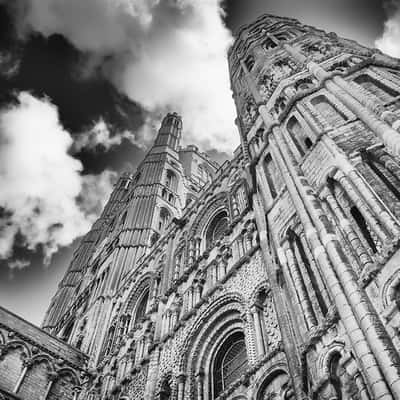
46, 68
356, 19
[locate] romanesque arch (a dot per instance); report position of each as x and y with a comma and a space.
275, 385
215, 204
208, 338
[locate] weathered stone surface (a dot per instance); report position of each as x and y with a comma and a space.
275, 275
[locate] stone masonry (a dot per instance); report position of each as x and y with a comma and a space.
273, 276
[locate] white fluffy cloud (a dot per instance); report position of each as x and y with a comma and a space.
44, 198
389, 42
99, 134
165, 54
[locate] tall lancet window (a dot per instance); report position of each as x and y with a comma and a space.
362, 225
249, 62
171, 180
296, 132
141, 308
268, 170
165, 217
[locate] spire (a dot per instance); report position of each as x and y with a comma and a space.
170, 132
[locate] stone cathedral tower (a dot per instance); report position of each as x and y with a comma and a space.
273, 276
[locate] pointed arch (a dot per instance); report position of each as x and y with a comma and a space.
137, 301
12, 363
63, 387
40, 366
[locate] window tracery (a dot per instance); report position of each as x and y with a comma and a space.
217, 228
164, 219
230, 362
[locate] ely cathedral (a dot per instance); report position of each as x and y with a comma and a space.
273, 276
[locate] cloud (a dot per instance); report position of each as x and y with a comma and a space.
44, 201
389, 42
100, 135
18, 264
9, 63
165, 54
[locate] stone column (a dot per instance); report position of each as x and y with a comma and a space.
197, 248
191, 252
181, 386
199, 385
317, 273
353, 304
348, 230
76, 392
258, 331
26, 364
351, 192
152, 374
389, 136
235, 207
273, 271
387, 219
53, 376
300, 288
366, 99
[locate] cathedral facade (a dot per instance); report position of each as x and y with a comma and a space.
273, 276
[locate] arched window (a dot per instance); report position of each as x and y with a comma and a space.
67, 331
327, 111
164, 219
229, 364
123, 218
11, 366
165, 391
282, 36
136, 178
108, 347
378, 89
276, 387
268, 165
249, 62
39, 368
362, 225
296, 133
382, 172
141, 308
216, 229
171, 180
342, 385
269, 44
63, 387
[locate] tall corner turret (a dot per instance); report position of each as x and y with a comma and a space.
170, 131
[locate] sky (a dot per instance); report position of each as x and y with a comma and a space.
83, 87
